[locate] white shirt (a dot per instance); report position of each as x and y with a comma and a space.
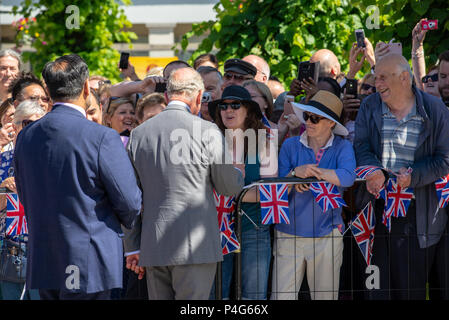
73, 106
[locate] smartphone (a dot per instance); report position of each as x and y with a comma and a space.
351, 87
160, 87
360, 38
124, 56
288, 108
308, 70
395, 48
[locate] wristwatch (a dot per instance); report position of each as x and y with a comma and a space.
293, 173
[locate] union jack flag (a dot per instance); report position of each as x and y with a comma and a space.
6, 169
326, 195
364, 171
442, 189
274, 203
363, 230
16, 224
382, 194
397, 203
224, 205
229, 242
225, 208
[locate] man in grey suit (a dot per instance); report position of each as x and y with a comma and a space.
179, 160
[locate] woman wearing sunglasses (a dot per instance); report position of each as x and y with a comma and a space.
312, 241
430, 82
236, 114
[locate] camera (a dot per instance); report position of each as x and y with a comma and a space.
429, 25
160, 87
207, 97
124, 56
309, 70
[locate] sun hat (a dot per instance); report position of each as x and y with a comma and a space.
324, 104
237, 93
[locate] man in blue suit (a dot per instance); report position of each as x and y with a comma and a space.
77, 186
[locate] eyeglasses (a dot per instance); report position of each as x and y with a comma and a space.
238, 77
366, 86
36, 98
234, 106
433, 77
109, 103
313, 118
26, 122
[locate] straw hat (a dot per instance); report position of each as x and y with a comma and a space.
324, 104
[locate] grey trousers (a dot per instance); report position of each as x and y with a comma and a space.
181, 282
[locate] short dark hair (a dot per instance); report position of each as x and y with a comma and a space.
333, 83
175, 62
65, 77
24, 80
203, 70
444, 56
205, 57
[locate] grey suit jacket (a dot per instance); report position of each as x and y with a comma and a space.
179, 158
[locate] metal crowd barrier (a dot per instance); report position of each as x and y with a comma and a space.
238, 232
5, 191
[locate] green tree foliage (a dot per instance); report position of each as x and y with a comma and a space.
286, 32
55, 32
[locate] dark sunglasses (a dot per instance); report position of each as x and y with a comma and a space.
233, 105
433, 77
109, 103
313, 118
228, 76
26, 122
366, 86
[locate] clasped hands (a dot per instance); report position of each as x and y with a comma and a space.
376, 180
132, 262
307, 171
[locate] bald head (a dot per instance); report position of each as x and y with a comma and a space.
329, 65
396, 63
276, 88
263, 69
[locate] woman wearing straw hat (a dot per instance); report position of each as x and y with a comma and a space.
312, 240
237, 116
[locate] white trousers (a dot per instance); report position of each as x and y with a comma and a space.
320, 258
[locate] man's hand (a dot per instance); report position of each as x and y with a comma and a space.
302, 187
132, 262
354, 64
404, 178
375, 181
129, 72
295, 88
149, 84
381, 50
369, 53
310, 87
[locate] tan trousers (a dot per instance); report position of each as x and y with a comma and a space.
321, 257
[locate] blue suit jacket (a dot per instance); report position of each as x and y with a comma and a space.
77, 186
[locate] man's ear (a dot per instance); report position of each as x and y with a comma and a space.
166, 97
199, 97
86, 89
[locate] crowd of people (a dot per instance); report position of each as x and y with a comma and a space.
117, 181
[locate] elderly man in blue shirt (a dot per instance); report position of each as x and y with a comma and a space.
313, 239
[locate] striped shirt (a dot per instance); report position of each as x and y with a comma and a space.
399, 138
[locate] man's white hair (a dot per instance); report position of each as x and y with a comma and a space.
26, 109
186, 86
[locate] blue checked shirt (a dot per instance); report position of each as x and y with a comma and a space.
399, 138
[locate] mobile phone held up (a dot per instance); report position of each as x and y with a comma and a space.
429, 24
124, 56
160, 87
360, 38
309, 70
351, 87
